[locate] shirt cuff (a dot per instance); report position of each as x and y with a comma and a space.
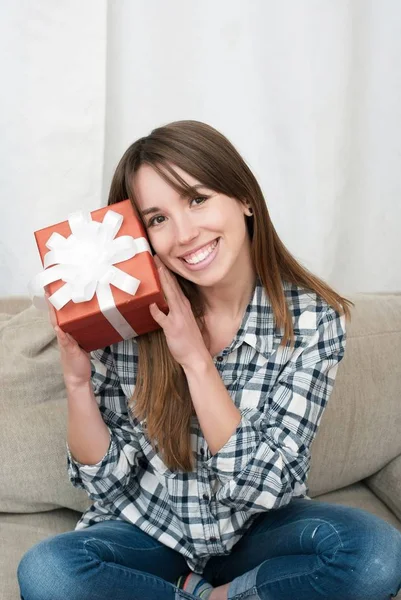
236, 453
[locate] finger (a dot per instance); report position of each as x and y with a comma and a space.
157, 314
171, 288
165, 284
61, 337
64, 339
172, 279
52, 312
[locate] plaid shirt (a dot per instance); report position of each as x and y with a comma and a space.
281, 394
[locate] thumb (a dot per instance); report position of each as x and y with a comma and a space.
64, 339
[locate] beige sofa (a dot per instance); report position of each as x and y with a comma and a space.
356, 457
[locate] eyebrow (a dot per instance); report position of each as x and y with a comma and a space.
191, 190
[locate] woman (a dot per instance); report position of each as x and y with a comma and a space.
193, 441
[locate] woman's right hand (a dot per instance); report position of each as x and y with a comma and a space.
75, 361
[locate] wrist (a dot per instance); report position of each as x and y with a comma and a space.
77, 387
198, 364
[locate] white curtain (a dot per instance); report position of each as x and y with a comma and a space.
308, 92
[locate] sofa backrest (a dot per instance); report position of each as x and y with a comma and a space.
360, 429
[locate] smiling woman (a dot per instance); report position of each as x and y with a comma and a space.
210, 419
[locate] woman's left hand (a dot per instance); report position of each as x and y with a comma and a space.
182, 333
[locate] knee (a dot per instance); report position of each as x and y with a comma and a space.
45, 571
361, 552
373, 553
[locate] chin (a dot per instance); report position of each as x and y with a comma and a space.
207, 280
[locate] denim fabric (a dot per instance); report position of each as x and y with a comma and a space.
307, 550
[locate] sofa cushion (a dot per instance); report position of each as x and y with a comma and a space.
20, 532
360, 496
33, 414
360, 428
386, 484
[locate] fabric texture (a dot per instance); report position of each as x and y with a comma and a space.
386, 484
281, 393
195, 584
33, 414
360, 430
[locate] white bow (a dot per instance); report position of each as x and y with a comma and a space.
85, 262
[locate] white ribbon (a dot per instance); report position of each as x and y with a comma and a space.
85, 262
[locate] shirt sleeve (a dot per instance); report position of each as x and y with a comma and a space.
268, 456
107, 477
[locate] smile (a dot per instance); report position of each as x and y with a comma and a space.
197, 257
202, 258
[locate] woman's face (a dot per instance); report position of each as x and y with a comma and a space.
208, 229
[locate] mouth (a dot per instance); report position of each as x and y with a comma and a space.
201, 259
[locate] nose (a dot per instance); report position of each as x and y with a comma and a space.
186, 230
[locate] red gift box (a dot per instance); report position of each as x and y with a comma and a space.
84, 320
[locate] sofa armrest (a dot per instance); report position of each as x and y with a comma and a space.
386, 484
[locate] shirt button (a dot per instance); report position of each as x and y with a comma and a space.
205, 497
213, 539
219, 358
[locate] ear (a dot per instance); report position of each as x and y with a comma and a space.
247, 208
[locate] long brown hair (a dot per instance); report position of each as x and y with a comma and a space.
161, 396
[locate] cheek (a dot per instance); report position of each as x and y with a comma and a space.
234, 224
160, 243
219, 221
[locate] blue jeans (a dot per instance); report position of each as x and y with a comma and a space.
307, 550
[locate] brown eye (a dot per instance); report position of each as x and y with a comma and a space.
199, 198
154, 219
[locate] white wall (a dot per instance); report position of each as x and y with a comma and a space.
309, 93
52, 110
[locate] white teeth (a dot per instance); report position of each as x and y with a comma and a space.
196, 258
